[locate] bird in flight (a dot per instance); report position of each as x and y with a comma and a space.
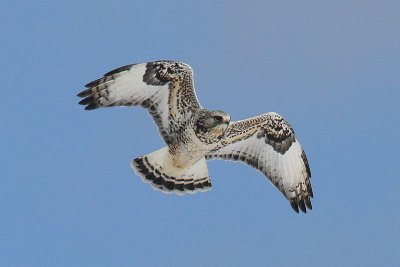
194, 134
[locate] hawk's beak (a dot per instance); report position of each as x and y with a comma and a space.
226, 119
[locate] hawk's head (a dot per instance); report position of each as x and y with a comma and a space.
210, 126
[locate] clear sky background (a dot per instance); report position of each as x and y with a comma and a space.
69, 198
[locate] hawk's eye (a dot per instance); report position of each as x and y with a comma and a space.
218, 118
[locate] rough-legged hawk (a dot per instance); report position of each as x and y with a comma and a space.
194, 134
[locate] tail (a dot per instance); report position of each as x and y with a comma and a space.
155, 168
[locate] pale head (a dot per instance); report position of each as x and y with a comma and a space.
210, 126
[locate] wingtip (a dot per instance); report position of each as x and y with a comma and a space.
89, 102
84, 101
310, 191
91, 107
307, 201
301, 205
84, 93
294, 205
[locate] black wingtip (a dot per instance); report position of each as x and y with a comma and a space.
302, 206
89, 102
310, 191
294, 205
86, 101
91, 106
83, 94
307, 201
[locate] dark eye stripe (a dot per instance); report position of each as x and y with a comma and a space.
218, 118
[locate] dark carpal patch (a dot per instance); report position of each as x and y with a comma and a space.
153, 74
162, 72
278, 134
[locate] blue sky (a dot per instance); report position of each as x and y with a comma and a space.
69, 198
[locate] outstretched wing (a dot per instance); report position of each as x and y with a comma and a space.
268, 143
165, 88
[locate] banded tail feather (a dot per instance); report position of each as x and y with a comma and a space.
154, 169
